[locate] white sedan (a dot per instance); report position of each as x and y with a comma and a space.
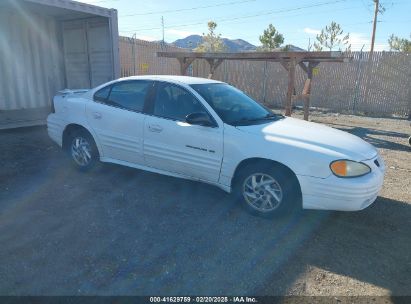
209, 131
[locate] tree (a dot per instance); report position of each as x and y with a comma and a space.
399, 44
271, 39
332, 36
212, 42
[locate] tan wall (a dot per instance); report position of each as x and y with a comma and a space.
382, 87
138, 57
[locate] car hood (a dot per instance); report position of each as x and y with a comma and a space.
315, 137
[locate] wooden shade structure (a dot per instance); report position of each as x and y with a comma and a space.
289, 60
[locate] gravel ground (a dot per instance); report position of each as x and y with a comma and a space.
121, 231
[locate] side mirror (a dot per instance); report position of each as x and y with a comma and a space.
200, 119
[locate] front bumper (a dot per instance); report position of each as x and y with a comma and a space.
343, 194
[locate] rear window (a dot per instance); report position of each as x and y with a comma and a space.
129, 95
102, 94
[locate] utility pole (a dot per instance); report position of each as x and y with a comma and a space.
378, 9
162, 26
374, 27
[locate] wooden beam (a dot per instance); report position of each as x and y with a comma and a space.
291, 85
304, 56
307, 89
288, 60
214, 63
285, 65
303, 66
184, 64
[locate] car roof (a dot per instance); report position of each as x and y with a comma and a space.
187, 80
172, 78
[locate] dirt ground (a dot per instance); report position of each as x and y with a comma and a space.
121, 231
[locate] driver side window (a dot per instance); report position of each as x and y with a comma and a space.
174, 102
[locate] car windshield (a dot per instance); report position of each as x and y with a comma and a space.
233, 106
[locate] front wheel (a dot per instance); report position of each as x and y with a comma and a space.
267, 190
83, 150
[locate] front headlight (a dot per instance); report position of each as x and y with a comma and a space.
349, 168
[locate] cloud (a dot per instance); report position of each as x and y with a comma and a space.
180, 33
311, 31
358, 40
145, 37
381, 47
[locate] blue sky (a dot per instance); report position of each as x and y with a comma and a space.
297, 20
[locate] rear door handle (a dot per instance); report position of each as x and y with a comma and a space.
155, 128
97, 115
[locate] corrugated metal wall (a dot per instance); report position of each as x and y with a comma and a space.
87, 52
31, 63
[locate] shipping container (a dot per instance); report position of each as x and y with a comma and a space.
50, 45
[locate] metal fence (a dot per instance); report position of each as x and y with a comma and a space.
381, 86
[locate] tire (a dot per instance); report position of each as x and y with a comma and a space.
409, 140
82, 150
267, 190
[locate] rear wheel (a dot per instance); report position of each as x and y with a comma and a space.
267, 190
83, 150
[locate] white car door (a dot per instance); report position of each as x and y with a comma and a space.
173, 145
117, 119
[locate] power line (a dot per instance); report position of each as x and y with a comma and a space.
316, 13
187, 9
396, 21
264, 13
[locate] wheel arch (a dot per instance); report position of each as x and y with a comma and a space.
249, 162
70, 129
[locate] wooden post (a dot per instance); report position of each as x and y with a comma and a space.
184, 64
264, 82
291, 85
214, 63
307, 89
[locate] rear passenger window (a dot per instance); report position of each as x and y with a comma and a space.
129, 95
102, 94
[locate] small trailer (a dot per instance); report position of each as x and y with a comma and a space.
50, 45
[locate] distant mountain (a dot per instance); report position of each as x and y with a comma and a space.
235, 45
190, 42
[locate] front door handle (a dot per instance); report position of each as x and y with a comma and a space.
155, 128
97, 115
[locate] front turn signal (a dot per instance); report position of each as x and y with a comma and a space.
349, 168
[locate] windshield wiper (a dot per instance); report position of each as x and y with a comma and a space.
269, 116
